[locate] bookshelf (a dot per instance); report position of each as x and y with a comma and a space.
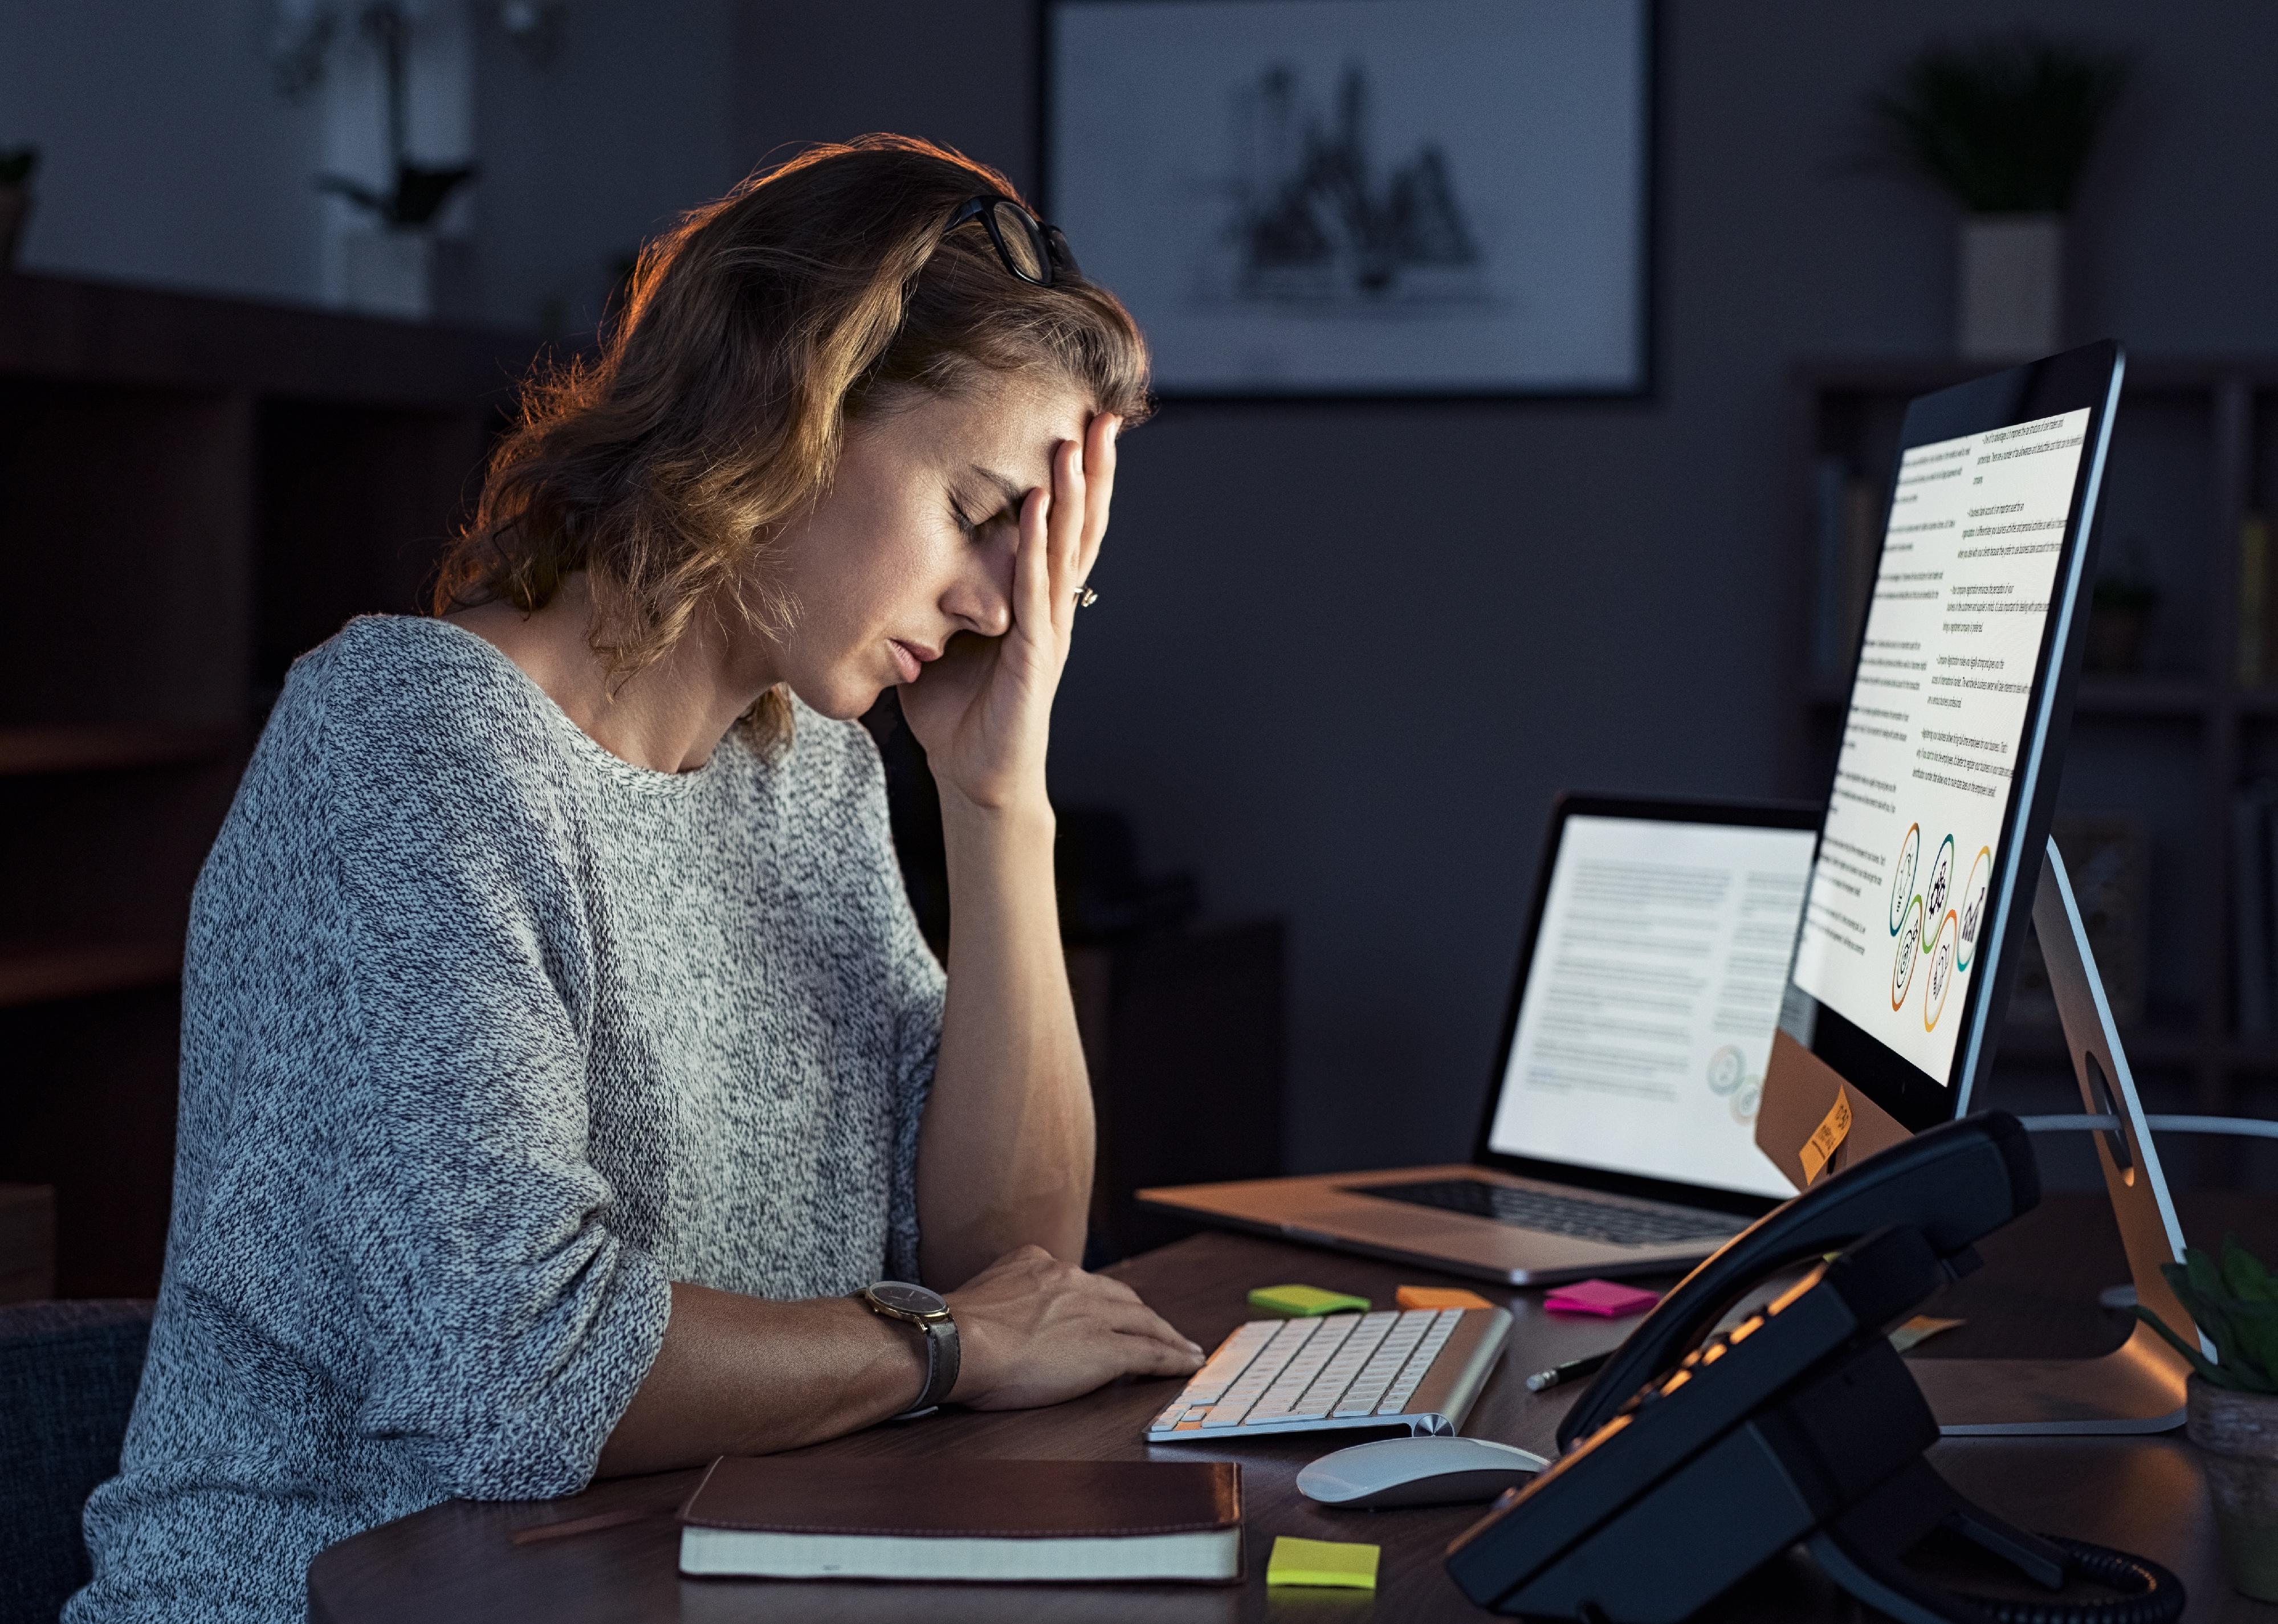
2165, 738
193, 491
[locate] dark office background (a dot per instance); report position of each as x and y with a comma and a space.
1347, 653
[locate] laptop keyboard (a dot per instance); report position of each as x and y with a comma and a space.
1557, 1214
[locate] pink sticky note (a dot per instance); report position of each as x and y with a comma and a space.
1600, 1297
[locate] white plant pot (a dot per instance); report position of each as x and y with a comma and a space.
412, 274
2012, 285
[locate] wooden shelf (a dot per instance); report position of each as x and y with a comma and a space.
36, 751
251, 475
45, 974
116, 334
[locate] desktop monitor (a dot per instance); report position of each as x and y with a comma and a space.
1952, 747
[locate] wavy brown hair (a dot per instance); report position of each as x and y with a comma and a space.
714, 413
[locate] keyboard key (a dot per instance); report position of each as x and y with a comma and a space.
1208, 1384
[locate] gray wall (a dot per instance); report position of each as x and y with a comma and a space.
164, 154
1346, 654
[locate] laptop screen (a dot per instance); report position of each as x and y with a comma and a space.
1651, 992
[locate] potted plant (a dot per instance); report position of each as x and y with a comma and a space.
2006, 127
403, 267
16, 166
2233, 1416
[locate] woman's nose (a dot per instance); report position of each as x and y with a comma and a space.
981, 599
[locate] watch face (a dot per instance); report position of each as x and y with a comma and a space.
907, 1297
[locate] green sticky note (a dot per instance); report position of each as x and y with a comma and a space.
1299, 1301
1322, 1562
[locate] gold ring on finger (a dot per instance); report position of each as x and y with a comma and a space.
1085, 598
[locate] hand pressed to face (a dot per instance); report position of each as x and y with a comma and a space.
946, 558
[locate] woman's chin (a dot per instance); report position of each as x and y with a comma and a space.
843, 700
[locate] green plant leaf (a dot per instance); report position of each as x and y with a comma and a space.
2231, 1305
2212, 1372
2203, 1274
2243, 1273
2257, 1347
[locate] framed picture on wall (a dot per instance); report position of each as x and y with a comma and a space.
1361, 197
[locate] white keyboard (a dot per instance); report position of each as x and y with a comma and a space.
1419, 1370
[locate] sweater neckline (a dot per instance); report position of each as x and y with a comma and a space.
632, 776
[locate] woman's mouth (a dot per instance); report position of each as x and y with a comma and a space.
909, 658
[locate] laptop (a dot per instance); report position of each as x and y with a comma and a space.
1618, 1135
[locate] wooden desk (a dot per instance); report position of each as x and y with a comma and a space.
460, 1561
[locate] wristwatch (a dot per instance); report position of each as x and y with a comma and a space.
924, 1310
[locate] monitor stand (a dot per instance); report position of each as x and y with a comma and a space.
2137, 1387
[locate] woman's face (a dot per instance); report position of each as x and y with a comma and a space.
913, 543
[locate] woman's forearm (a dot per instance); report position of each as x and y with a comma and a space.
1005, 1156
743, 1375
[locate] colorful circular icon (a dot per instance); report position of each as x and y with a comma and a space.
1747, 1098
1973, 905
1902, 877
1941, 879
1941, 971
1726, 1067
1902, 968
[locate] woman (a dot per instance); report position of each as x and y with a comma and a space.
559, 1049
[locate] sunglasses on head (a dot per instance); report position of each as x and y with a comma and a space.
1033, 251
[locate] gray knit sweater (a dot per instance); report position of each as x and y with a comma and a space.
487, 1036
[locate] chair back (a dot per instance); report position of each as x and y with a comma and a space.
68, 1372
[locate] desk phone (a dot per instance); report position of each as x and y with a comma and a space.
1695, 1459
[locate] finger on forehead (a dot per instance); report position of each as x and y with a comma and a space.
1099, 444
1068, 484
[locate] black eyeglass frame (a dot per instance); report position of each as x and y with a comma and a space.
1052, 250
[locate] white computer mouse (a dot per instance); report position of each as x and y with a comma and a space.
1419, 1471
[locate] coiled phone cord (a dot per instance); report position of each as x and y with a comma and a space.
2149, 1594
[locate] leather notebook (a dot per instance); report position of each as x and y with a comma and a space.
1057, 1522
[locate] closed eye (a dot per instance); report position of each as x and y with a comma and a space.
962, 517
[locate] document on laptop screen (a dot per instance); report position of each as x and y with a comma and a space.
1651, 999
1936, 730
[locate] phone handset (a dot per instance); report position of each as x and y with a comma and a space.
1953, 1184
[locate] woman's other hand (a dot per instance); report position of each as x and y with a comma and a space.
983, 709
1033, 1330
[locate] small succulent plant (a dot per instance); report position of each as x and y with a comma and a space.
2235, 1303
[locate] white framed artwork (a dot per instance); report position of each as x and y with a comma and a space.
1362, 197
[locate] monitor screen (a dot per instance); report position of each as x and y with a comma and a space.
1949, 755
1646, 1014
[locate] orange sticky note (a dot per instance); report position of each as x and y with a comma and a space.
1826, 1138
1439, 1297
